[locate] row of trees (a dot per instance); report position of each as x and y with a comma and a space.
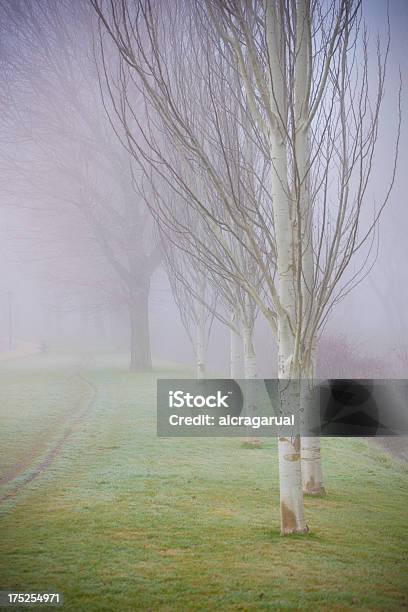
257, 135
233, 141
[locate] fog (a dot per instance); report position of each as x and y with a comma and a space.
58, 287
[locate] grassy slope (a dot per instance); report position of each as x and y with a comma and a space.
123, 520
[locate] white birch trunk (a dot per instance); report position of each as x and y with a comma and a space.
312, 470
290, 475
250, 373
235, 349
250, 369
290, 479
312, 473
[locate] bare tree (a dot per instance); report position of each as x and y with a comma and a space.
196, 289
185, 229
300, 74
195, 299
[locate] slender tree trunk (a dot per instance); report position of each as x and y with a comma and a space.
290, 475
140, 352
250, 373
201, 335
200, 350
235, 348
312, 473
249, 353
290, 478
312, 470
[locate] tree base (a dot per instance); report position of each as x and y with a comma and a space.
315, 491
294, 531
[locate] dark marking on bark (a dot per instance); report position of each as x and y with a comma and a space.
288, 521
288, 518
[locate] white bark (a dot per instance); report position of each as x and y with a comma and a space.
312, 472
250, 369
290, 479
250, 373
290, 475
291, 494
235, 348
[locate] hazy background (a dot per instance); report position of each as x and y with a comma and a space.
63, 294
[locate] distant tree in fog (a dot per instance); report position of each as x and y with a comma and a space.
61, 153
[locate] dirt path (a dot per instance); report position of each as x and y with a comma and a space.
56, 449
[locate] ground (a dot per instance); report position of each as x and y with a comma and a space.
95, 506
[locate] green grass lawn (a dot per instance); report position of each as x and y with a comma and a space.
119, 519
